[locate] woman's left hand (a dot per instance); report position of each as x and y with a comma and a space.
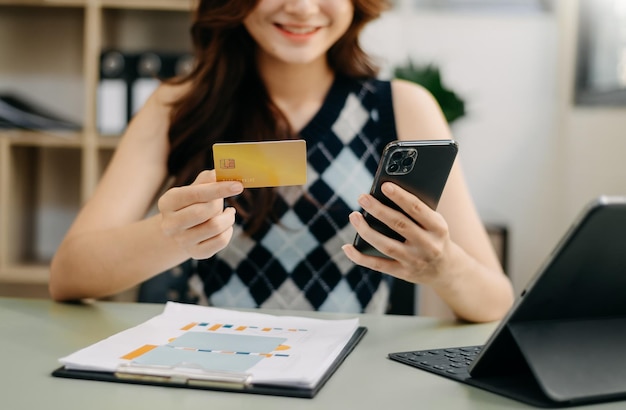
419, 259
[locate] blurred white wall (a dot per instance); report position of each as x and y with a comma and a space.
504, 65
593, 137
532, 159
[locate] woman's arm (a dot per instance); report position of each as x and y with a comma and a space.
112, 246
449, 249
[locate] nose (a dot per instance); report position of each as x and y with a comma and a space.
301, 7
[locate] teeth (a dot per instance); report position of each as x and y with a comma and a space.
299, 30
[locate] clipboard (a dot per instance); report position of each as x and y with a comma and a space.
189, 376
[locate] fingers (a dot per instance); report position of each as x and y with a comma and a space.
203, 189
420, 213
205, 176
374, 263
189, 216
383, 243
416, 258
194, 215
204, 240
412, 205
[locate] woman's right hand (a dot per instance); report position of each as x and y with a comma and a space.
195, 218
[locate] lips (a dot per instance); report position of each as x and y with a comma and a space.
297, 30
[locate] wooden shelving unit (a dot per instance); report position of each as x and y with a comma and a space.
49, 53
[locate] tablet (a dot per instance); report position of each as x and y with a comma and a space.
562, 342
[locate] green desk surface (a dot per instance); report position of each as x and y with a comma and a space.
35, 333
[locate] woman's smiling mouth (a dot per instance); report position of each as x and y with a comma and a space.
297, 30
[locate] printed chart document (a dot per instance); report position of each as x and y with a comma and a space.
204, 347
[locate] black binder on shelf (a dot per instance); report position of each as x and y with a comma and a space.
562, 343
127, 80
151, 68
113, 99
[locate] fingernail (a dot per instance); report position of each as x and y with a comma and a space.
364, 201
236, 187
354, 219
388, 188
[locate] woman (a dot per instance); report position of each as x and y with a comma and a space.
268, 70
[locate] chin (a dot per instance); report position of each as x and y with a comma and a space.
297, 56
303, 59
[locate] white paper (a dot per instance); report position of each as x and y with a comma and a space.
280, 350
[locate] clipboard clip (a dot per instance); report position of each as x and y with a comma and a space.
190, 374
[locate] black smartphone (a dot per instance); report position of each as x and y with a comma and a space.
420, 167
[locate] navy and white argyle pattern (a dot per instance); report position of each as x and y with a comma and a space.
298, 263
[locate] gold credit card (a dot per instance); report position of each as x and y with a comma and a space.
261, 164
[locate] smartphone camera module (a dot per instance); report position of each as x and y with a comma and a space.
402, 161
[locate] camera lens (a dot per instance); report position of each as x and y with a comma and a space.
407, 162
393, 167
396, 156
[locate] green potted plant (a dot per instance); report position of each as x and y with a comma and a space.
429, 77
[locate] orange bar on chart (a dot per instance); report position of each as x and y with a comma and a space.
138, 352
189, 326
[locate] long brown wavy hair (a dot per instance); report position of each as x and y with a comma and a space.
228, 102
